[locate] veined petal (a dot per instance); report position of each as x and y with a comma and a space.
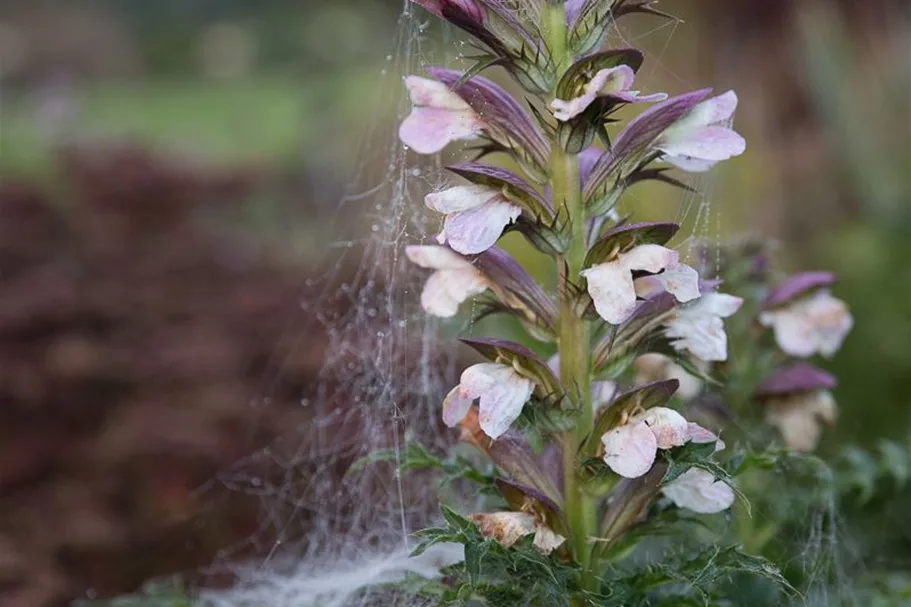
455, 407
699, 491
502, 403
428, 93
630, 450
476, 230
681, 281
669, 427
428, 130
708, 143
612, 291
460, 198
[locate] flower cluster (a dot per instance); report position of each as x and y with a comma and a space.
624, 298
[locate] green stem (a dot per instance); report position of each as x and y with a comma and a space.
574, 332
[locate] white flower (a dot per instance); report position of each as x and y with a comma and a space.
439, 117
697, 326
654, 367
475, 216
611, 82
613, 290
630, 449
818, 323
454, 281
798, 417
507, 528
501, 390
702, 138
699, 491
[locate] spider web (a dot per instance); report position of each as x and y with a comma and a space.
333, 538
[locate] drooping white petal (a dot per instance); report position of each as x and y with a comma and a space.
425, 92
649, 258
698, 328
669, 427
630, 450
702, 138
445, 290
798, 417
502, 403
612, 291
699, 491
455, 406
476, 230
819, 323
681, 281
436, 258
460, 198
429, 130
714, 143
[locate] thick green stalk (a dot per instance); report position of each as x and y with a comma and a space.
574, 332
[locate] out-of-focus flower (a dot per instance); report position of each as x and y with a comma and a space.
475, 216
454, 280
805, 317
614, 82
654, 367
797, 401
507, 528
502, 393
697, 326
700, 139
613, 290
699, 491
439, 116
630, 449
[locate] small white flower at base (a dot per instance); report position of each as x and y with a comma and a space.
475, 216
799, 416
501, 390
698, 327
610, 82
701, 138
699, 491
507, 528
454, 280
631, 449
438, 117
654, 367
818, 323
613, 290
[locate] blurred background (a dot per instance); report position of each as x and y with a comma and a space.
171, 178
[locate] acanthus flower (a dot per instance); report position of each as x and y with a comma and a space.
698, 490
630, 449
612, 287
797, 400
475, 216
439, 117
698, 327
455, 279
805, 324
502, 392
614, 82
701, 138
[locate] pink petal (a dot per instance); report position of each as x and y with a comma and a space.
476, 230
720, 108
429, 130
630, 450
635, 97
700, 435
612, 291
428, 93
690, 164
669, 427
455, 407
460, 198
567, 110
